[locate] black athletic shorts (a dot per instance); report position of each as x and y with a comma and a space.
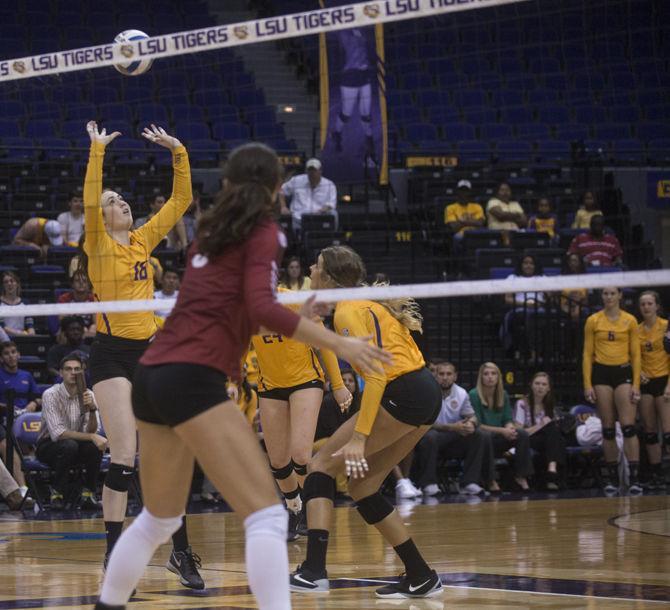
285, 393
114, 357
655, 387
355, 78
611, 375
170, 394
413, 398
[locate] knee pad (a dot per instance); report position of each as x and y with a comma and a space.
628, 431
344, 117
651, 438
319, 485
282, 473
666, 439
119, 476
271, 521
155, 529
374, 508
300, 469
609, 434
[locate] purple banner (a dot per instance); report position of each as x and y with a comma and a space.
353, 104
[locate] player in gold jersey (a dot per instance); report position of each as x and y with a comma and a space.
117, 261
290, 392
611, 371
398, 406
655, 388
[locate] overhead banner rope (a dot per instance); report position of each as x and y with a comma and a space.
235, 34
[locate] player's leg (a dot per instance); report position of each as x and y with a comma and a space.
167, 466
648, 413
607, 415
228, 452
627, 412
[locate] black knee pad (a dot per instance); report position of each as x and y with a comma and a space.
119, 476
282, 473
366, 118
628, 431
344, 117
666, 439
374, 508
609, 434
651, 438
319, 485
300, 469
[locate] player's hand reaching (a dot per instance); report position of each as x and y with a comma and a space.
362, 355
343, 398
158, 135
100, 136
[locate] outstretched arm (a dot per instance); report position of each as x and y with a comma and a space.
182, 195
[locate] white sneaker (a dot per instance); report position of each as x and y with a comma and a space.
404, 489
431, 490
471, 489
417, 492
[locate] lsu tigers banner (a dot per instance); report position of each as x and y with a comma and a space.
658, 190
354, 139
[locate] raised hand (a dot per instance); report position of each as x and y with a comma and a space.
100, 136
160, 137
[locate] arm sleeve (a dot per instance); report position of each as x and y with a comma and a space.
450, 214
507, 410
332, 367
479, 213
34, 391
95, 227
635, 353
375, 383
666, 339
466, 409
587, 356
260, 279
287, 188
53, 422
175, 207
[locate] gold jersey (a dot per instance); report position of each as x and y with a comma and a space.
655, 360
124, 272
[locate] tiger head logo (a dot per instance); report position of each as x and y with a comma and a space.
241, 31
127, 50
19, 67
371, 10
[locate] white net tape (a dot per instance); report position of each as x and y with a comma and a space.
624, 279
235, 34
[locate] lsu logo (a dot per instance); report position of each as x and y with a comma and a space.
241, 31
371, 10
127, 50
19, 67
663, 189
33, 426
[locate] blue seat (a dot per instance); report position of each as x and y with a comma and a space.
494, 131
599, 269
230, 131
9, 129
115, 113
590, 114
11, 108
55, 148
515, 115
19, 149
204, 150
26, 431
500, 273
532, 131
82, 112
651, 131
511, 150
572, 131
629, 150
44, 110
473, 151
152, 113
553, 115
542, 95
612, 132
553, 150
659, 151
459, 131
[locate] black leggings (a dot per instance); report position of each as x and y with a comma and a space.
549, 443
64, 454
523, 461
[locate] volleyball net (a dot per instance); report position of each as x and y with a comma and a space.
542, 95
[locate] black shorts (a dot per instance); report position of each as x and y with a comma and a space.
414, 398
611, 375
655, 387
285, 393
355, 78
114, 357
170, 394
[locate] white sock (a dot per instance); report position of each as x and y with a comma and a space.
267, 559
132, 554
294, 504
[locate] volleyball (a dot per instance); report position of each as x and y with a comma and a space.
135, 67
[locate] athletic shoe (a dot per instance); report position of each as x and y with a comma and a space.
431, 490
56, 500
635, 488
302, 529
185, 564
610, 485
293, 524
472, 489
16, 500
405, 489
422, 587
88, 500
417, 492
303, 580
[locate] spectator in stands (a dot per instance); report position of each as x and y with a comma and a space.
22, 382
10, 294
169, 290
72, 222
494, 414
176, 238
503, 214
190, 218
39, 233
588, 209
72, 330
331, 417
574, 300
523, 323
545, 221
80, 293
534, 413
464, 214
309, 193
596, 248
454, 434
294, 277
69, 435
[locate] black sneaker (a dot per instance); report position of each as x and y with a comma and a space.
293, 524
101, 606
634, 487
610, 485
185, 564
305, 581
427, 586
88, 501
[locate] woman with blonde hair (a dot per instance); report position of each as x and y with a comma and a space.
398, 406
494, 414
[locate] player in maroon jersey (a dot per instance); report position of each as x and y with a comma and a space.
179, 392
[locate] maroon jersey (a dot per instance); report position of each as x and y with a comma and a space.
222, 302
